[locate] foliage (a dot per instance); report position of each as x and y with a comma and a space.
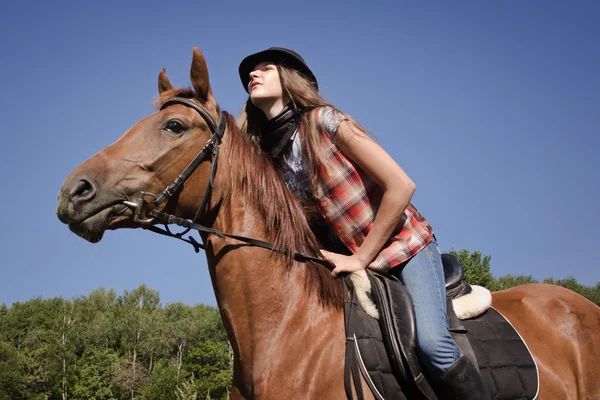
11, 378
94, 374
477, 267
187, 391
109, 347
508, 281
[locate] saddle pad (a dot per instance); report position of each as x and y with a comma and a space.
506, 365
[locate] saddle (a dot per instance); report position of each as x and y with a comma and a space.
383, 350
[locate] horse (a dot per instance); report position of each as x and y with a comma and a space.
283, 317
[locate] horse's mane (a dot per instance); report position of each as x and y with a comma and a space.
253, 174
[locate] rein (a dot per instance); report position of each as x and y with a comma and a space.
210, 148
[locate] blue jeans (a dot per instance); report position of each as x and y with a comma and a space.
423, 276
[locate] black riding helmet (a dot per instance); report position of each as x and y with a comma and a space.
277, 55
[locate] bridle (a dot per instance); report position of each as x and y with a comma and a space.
210, 148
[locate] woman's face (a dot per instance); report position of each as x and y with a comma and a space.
265, 86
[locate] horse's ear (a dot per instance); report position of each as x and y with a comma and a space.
199, 76
163, 82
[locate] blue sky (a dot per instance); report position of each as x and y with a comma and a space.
491, 107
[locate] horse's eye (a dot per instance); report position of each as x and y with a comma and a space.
175, 127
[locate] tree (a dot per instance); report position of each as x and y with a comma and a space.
94, 375
182, 329
67, 328
509, 281
187, 391
108, 347
11, 379
135, 308
591, 293
477, 267
210, 363
126, 379
155, 344
162, 384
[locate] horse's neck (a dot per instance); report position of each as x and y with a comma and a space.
262, 302
250, 282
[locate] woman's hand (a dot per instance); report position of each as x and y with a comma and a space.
343, 263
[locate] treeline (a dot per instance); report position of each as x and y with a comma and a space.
478, 272
104, 346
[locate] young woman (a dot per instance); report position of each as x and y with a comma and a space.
357, 199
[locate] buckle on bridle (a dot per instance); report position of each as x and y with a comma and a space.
140, 206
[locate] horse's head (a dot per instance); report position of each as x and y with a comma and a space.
148, 157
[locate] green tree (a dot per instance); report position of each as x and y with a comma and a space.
162, 384
155, 344
182, 330
477, 267
592, 293
509, 281
11, 379
94, 375
99, 315
187, 391
135, 310
107, 347
29, 328
209, 361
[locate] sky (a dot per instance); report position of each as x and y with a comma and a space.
492, 108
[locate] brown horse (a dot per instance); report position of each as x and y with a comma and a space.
284, 318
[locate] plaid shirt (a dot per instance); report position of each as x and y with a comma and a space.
349, 200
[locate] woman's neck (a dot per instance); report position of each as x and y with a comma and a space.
271, 109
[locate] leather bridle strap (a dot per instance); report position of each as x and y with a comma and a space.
213, 142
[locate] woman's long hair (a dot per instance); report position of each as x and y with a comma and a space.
304, 98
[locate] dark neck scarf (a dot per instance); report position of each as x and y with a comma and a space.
278, 131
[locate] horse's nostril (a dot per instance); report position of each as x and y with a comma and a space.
82, 191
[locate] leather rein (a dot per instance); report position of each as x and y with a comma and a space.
211, 148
